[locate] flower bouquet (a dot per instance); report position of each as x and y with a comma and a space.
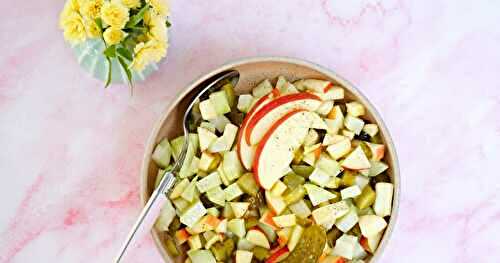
117, 40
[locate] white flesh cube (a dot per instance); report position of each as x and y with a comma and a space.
371, 225
201, 256
311, 138
325, 108
219, 102
206, 138
339, 149
350, 192
208, 182
344, 246
300, 209
262, 89
193, 213
162, 154
319, 177
237, 227
244, 102
371, 129
231, 165
317, 194
354, 124
355, 109
232, 191
243, 256
217, 196
166, 216
207, 110
383, 200
225, 142
220, 122
329, 213
285, 220
348, 221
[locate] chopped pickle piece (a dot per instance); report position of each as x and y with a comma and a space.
303, 170
231, 98
381, 178
310, 246
219, 251
298, 155
260, 253
229, 247
366, 198
170, 246
251, 222
247, 184
349, 178
333, 235
292, 180
295, 195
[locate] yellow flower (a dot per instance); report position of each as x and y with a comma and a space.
92, 29
74, 28
161, 7
113, 35
91, 8
115, 14
70, 7
132, 3
157, 26
146, 53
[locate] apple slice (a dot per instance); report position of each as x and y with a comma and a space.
356, 160
371, 225
276, 150
266, 116
257, 238
279, 255
245, 151
243, 256
377, 150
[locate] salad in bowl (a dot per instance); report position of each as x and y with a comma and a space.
290, 171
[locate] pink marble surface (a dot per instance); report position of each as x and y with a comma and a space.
71, 150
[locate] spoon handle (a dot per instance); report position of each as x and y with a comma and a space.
148, 215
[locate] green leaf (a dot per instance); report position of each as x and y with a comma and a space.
167, 23
108, 81
124, 53
98, 21
126, 69
110, 51
135, 19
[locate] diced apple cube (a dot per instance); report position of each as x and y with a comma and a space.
328, 165
356, 160
276, 203
243, 256
348, 221
257, 238
371, 129
208, 125
319, 177
317, 194
211, 238
295, 237
373, 241
280, 83
334, 93
377, 168
300, 209
201, 256
216, 195
194, 242
244, 244
162, 154
244, 102
181, 236
220, 122
208, 182
267, 219
355, 109
339, 149
262, 89
284, 235
317, 122
350, 192
207, 110
278, 188
309, 158
311, 138
349, 134
223, 176
377, 150
328, 213
371, 225
237, 227
335, 120
325, 107
239, 208
268, 231
383, 200
190, 192
285, 220
354, 124
222, 226
344, 246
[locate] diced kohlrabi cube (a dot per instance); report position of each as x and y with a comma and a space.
208, 125
371, 129
354, 124
348, 221
232, 191
244, 102
359, 252
231, 165
201, 256
179, 188
207, 110
162, 154
225, 142
325, 107
220, 122
329, 213
328, 165
355, 109
216, 195
208, 182
262, 89
206, 138
193, 213
377, 168
344, 246
190, 192
300, 209
311, 138
237, 227
220, 102
319, 177
371, 225
350, 192
166, 216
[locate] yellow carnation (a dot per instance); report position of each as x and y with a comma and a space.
132, 3
115, 14
91, 8
113, 35
74, 28
157, 26
161, 7
70, 7
92, 29
146, 53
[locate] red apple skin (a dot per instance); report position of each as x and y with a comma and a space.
276, 256
327, 88
364, 243
244, 124
266, 137
272, 105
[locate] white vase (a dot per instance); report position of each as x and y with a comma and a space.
90, 57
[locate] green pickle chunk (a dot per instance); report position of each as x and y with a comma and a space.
310, 246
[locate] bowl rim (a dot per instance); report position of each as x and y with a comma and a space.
151, 141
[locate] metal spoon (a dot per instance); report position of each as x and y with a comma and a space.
159, 197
